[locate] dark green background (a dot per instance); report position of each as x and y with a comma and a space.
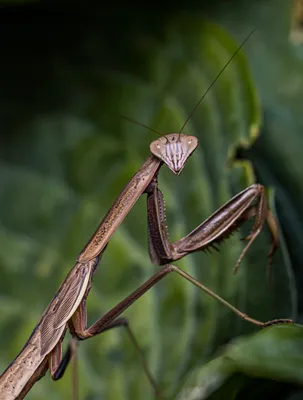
66, 74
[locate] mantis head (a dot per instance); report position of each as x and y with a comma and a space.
174, 149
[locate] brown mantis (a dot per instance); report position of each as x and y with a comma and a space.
68, 308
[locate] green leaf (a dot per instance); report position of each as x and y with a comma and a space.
276, 64
273, 354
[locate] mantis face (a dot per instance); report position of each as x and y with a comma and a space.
174, 149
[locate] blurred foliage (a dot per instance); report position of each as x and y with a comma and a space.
274, 353
66, 76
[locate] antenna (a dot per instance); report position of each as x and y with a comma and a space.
140, 124
215, 80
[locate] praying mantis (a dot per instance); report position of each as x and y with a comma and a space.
67, 310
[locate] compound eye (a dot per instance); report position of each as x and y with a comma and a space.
156, 148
